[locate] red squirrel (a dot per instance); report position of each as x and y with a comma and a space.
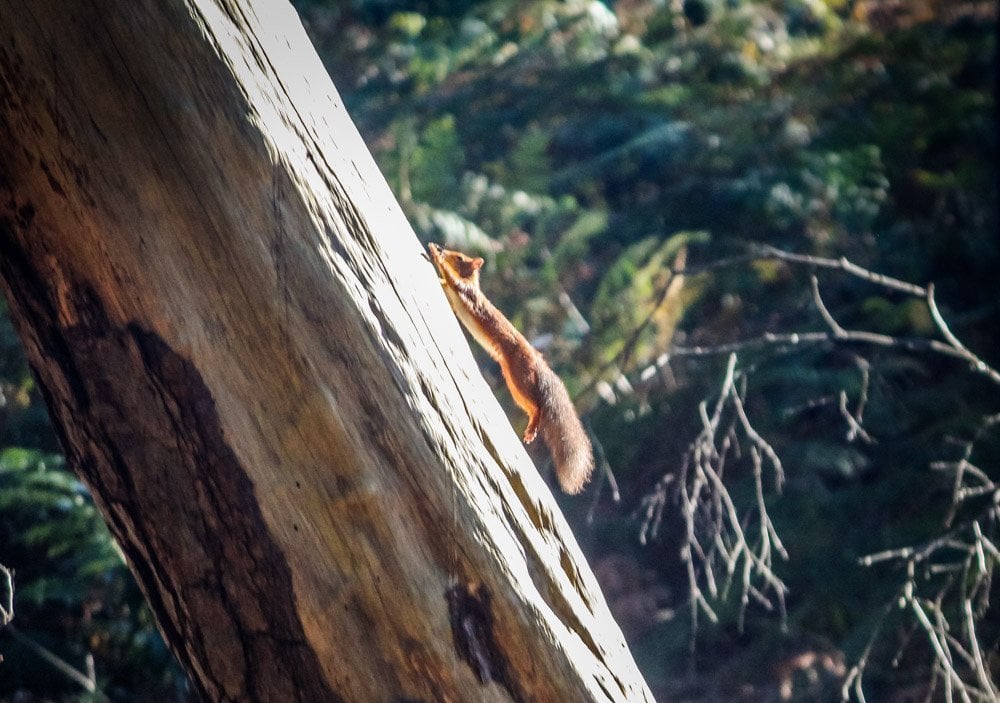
536, 388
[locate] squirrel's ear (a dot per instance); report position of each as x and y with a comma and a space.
477, 263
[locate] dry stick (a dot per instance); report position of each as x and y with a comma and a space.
985, 682
601, 460
855, 429
705, 499
986, 544
951, 347
942, 642
864, 367
960, 490
7, 609
766, 251
655, 504
760, 442
690, 498
834, 326
57, 662
855, 676
942, 325
849, 337
752, 560
943, 655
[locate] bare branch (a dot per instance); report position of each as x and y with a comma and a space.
759, 442
834, 326
765, 251
715, 532
7, 606
601, 460
849, 337
952, 346
955, 567
853, 422
854, 680
58, 663
982, 675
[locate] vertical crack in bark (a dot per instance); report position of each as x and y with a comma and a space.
140, 426
471, 617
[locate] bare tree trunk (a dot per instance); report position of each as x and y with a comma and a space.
253, 368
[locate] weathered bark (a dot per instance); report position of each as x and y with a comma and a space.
253, 368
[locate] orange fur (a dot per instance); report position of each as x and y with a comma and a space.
534, 386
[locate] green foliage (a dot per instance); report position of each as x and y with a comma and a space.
73, 594
631, 293
529, 164
62, 525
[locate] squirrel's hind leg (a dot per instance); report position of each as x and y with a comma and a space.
531, 431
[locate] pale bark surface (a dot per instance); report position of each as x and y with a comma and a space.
251, 365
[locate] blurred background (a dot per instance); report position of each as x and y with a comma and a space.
683, 203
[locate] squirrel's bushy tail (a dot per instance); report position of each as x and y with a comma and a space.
564, 434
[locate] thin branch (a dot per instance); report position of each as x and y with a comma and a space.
760, 442
951, 347
941, 324
766, 251
7, 607
58, 663
849, 337
715, 533
834, 326
601, 460
982, 675
853, 423
943, 655
855, 676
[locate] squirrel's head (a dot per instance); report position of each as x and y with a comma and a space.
461, 266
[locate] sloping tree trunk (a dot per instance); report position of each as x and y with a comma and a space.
251, 365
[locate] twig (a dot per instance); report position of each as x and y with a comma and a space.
943, 654
766, 251
855, 676
7, 607
963, 559
715, 533
58, 663
760, 442
970, 576
601, 460
965, 466
951, 347
834, 326
800, 339
969, 622
853, 423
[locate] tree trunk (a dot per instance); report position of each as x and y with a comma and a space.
254, 370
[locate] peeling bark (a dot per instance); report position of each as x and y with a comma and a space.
253, 369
